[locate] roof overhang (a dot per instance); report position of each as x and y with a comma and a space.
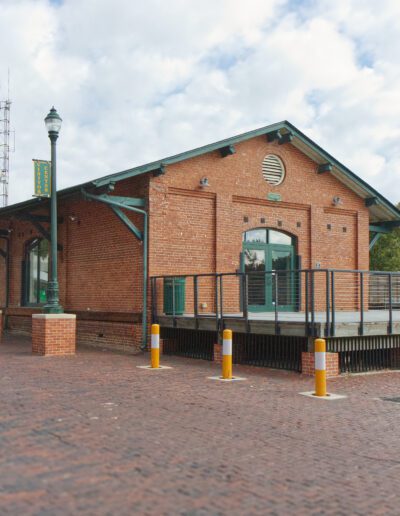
381, 210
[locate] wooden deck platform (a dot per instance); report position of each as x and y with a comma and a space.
346, 324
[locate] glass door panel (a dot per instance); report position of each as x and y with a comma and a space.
43, 270
254, 262
32, 274
282, 260
261, 259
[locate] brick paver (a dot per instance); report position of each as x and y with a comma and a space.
92, 434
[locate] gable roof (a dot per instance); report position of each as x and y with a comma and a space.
381, 210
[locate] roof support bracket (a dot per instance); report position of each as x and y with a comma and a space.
45, 234
143, 237
286, 138
324, 167
128, 201
374, 240
128, 223
117, 204
273, 135
160, 171
371, 201
227, 151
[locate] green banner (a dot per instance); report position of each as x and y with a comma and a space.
42, 178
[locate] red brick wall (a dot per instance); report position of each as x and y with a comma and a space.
193, 230
118, 336
99, 268
308, 364
101, 261
20, 324
197, 231
110, 335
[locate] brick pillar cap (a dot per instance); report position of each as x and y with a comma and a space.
53, 316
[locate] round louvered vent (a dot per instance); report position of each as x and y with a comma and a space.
273, 170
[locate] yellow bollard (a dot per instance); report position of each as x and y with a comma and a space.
320, 367
227, 355
155, 346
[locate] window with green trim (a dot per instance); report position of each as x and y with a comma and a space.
36, 271
267, 236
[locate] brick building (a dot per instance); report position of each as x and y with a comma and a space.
264, 200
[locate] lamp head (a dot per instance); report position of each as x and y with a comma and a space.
337, 201
53, 121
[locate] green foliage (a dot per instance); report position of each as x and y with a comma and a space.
385, 255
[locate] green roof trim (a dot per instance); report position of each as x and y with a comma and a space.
193, 153
278, 130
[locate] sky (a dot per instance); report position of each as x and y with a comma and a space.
136, 81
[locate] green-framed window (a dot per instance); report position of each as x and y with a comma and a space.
268, 236
269, 257
36, 272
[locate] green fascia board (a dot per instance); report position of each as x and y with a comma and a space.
38, 218
38, 203
347, 172
155, 166
284, 125
388, 224
31, 204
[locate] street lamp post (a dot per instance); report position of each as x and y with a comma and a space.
53, 125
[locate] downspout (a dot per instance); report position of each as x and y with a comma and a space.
7, 290
145, 231
7, 259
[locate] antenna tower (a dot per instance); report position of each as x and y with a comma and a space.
5, 106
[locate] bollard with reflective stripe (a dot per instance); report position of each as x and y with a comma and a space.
155, 346
227, 355
320, 367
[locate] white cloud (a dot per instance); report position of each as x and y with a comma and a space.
137, 81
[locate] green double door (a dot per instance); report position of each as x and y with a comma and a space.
264, 288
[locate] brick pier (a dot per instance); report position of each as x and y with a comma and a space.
53, 334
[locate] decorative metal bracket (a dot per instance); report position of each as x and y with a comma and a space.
227, 151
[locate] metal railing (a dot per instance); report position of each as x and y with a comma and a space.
368, 353
311, 296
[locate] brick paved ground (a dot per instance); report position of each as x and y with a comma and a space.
92, 434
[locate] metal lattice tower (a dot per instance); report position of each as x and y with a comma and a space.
5, 106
